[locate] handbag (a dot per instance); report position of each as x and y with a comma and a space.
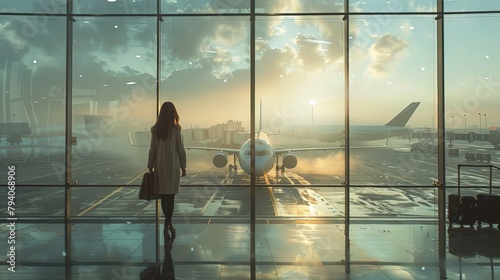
147, 187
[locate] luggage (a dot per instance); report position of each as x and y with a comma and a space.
461, 210
468, 210
488, 209
483, 207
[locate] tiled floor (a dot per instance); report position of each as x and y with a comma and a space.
220, 250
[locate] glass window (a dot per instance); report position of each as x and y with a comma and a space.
113, 98
299, 80
34, 6
472, 100
392, 100
467, 6
219, 7
392, 6
114, 6
32, 110
205, 73
297, 6
222, 7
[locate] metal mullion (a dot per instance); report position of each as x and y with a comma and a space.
159, 20
347, 170
441, 182
252, 142
68, 138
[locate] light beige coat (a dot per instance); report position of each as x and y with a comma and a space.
167, 157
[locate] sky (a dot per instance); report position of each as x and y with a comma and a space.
206, 60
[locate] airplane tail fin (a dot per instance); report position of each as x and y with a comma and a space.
402, 118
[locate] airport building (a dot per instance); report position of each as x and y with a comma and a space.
324, 139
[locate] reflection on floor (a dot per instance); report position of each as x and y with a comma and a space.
284, 249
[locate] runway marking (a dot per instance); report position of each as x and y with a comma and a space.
108, 196
209, 201
271, 194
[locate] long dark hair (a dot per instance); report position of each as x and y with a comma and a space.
168, 119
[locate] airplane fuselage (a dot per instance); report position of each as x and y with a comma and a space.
264, 155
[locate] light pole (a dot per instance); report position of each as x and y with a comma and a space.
479, 122
465, 123
312, 102
485, 126
452, 131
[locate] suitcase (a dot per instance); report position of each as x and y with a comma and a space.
468, 210
496, 215
488, 209
461, 210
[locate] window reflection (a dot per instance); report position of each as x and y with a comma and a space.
471, 120
114, 7
392, 57
113, 97
32, 107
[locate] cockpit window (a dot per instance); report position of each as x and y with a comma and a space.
258, 153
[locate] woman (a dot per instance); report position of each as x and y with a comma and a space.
168, 159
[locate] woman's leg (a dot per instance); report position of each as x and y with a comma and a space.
167, 205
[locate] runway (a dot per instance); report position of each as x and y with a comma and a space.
387, 182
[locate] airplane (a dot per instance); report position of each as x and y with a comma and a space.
336, 133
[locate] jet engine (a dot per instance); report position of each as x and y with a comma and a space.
289, 161
220, 160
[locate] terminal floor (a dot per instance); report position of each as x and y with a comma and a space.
286, 249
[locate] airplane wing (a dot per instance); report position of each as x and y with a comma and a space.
285, 151
223, 150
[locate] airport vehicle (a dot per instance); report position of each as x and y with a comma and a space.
336, 133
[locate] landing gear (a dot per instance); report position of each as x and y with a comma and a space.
233, 166
278, 167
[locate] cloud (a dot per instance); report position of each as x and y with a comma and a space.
385, 54
309, 53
